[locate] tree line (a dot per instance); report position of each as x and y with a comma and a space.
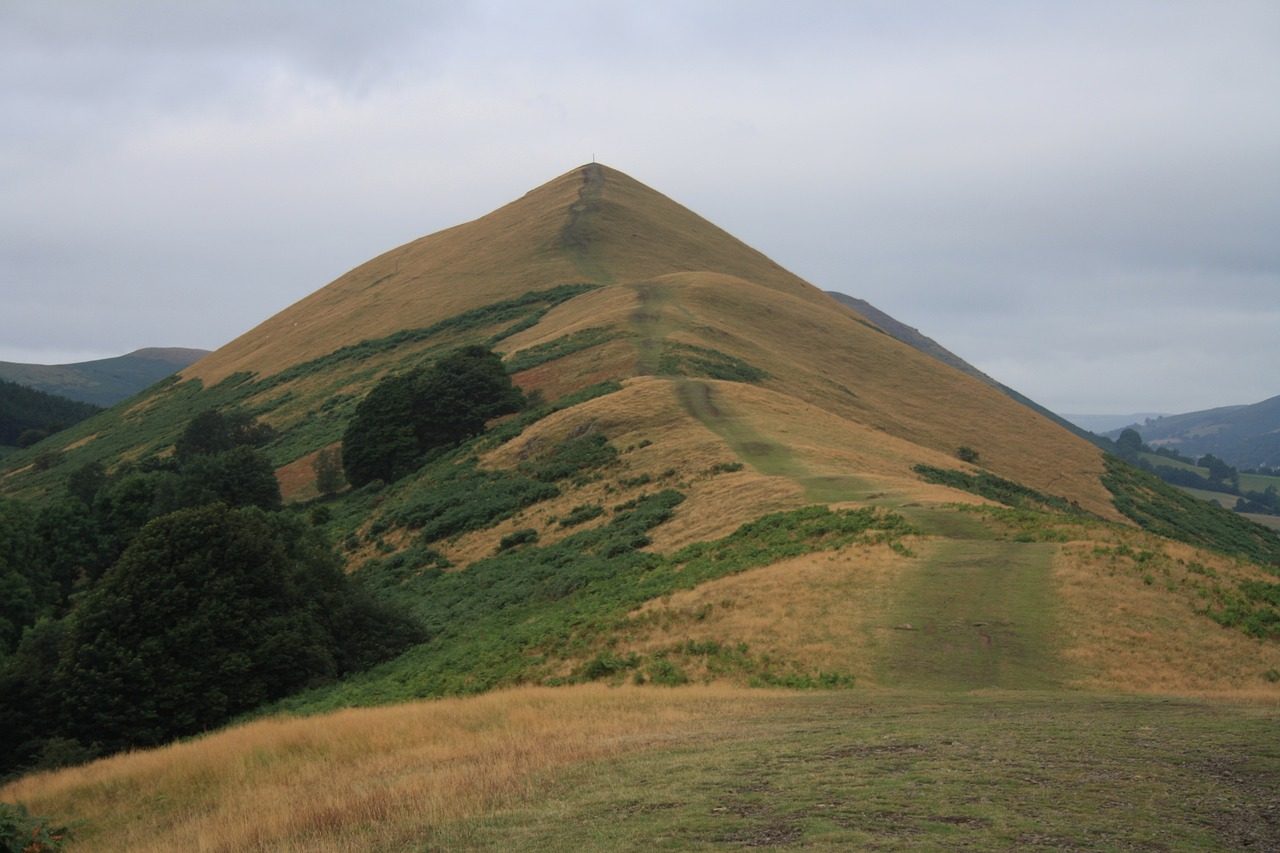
166, 597
28, 415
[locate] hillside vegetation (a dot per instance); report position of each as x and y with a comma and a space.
590, 439
28, 415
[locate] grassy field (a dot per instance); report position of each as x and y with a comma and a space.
595, 768
1272, 521
1220, 498
1248, 482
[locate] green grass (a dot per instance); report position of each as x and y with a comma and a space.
975, 615
509, 618
541, 354
995, 488
852, 770
1248, 482
1166, 511
174, 403
1220, 498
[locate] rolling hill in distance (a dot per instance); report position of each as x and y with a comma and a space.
1103, 424
1246, 436
104, 381
741, 529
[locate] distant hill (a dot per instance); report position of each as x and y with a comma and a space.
106, 381
23, 409
915, 338
1242, 436
1102, 424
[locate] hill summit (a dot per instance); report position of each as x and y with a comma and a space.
661, 292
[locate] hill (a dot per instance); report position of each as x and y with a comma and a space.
1102, 424
106, 381
720, 475
915, 338
26, 415
1242, 436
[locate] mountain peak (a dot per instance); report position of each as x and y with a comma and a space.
593, 224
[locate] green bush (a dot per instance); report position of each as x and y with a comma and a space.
571, 458
607, 664
582, 513
466, 498
664, 672
990, 486
524, 536
559, 348
20, 832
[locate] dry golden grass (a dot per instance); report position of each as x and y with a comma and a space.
668, 274
506, 253
821, 611
829, 360
81, 442
367, 779
298, 478
1121, 632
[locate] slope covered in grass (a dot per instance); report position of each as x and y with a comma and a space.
693, 768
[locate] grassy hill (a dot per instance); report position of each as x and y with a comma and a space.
915, 338
1243, 436
724, 477
106, 381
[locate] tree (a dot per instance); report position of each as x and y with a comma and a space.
241, 476
85, 482
459, 394
210, 612
405, 416
1129, 444
25, 587
213, 431
379, 443
1219, 471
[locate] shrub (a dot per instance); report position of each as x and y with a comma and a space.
664, 672
524, 536
607, 664
582, 513
572, 458
20, 832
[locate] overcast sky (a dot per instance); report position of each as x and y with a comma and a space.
1081, 199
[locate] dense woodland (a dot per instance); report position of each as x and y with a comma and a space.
28, 415
170, 595
164, 598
